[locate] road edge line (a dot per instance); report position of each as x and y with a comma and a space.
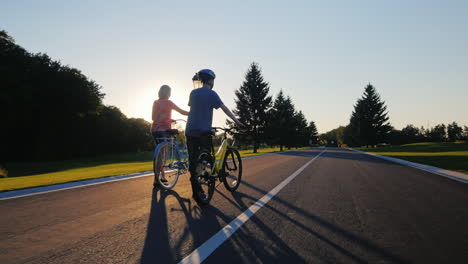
453, 175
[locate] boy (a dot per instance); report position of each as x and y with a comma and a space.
198, 131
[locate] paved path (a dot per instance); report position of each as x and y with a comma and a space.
344, 207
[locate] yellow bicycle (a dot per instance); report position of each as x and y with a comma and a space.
225, 165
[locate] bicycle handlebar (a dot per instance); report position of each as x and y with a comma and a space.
222, 128
227, 130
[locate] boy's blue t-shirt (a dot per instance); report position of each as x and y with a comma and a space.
201, 102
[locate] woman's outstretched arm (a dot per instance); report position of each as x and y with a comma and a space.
178, 109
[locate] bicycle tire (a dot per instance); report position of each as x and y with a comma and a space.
232, 163
206, 182
164, 158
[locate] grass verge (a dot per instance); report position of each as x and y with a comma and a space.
248, 153
450, 156
34, 174
14, 183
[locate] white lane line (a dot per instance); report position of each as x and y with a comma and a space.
453, 175
205, 250
79, 184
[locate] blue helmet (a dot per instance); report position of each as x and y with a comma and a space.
208, 72
204, 75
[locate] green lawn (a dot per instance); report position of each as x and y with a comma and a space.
13, 183
33, 174
451, 156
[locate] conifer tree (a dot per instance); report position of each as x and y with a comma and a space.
252, 105
281, 121
300, 136
313, 133
369, 120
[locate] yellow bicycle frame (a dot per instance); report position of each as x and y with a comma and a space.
219, 157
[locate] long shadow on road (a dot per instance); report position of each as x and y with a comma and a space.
167, 239
162, 246
369, 246
239, 201
157, 243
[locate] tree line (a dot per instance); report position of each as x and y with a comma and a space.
269, 121
51, 111
369, 126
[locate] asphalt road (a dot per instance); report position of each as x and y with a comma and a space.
345, 207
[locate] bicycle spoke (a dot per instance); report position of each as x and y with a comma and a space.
166, 174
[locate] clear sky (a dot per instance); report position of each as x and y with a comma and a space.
320, 53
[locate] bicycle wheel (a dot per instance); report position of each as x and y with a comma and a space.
232, 168
166, 175
206, 183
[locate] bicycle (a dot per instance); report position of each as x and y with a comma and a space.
169, 159
227, 168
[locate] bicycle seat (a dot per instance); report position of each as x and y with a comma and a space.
172, 132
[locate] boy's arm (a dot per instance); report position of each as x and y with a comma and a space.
231, 115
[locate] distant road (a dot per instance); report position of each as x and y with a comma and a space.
344, 207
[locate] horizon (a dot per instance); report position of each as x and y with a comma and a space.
415, 56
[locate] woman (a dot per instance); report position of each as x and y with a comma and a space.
162, 110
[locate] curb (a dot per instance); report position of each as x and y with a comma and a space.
453, 175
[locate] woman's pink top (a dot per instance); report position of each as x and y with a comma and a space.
162, 110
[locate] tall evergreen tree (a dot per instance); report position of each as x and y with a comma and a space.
313, 133
281, 122
300, 137
369, 120
252, 105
